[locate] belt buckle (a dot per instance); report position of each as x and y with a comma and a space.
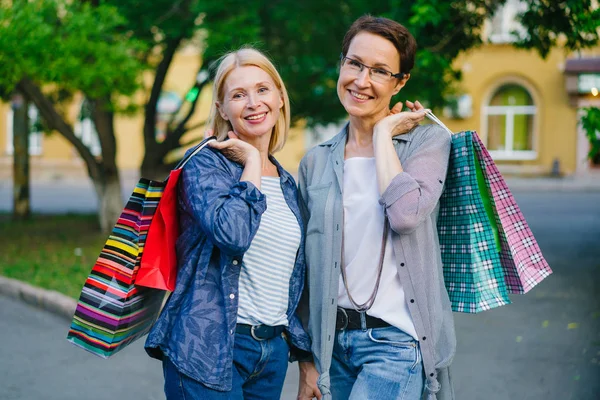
254, 334
344, 319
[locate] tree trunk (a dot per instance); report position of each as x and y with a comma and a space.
21, 204
108, 187
104, 173
110, 203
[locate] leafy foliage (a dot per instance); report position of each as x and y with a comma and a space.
590, 122
549, 22
72, 45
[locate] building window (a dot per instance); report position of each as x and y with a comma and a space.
86, 130
504, 24
36, 135
509, 123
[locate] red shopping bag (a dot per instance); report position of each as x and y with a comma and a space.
158, 265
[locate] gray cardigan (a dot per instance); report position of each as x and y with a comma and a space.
411, 204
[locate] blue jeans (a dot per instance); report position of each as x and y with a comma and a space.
259, 369
379, 363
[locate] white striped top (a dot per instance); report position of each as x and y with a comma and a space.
268, 264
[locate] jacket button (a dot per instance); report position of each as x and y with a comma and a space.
412, 300
235, 262
402, 264
424, 338
232, 296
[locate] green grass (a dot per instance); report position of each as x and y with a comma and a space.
54, 252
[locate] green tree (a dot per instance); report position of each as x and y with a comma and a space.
590, 123
101, 47
51, 50
304, 39
21, 203
549, 23
164, 26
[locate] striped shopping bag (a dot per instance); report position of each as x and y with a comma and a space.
113, 309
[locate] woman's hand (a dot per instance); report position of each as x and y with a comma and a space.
242, 153
416, 106
307, 388
399, 122
236, 150
396, 123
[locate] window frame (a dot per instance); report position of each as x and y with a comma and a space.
510, 111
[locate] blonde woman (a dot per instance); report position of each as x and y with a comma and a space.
230, 325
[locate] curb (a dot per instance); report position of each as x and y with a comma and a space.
553, 184
49, 300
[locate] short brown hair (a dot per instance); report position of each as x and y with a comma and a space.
388, 29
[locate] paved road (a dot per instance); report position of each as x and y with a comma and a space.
37, 363
544, 346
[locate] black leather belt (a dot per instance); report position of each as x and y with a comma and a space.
350, 319
260, 332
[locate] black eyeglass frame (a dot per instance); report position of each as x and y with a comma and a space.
399, 75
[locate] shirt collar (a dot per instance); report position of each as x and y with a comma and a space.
341, 137
283, 174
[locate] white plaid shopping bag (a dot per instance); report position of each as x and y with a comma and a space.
520, 256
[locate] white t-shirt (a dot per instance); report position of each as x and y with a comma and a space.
363, 227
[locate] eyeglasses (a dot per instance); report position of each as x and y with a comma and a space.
376, 74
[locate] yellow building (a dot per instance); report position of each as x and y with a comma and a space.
524, 108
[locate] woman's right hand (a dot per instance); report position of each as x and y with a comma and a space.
307, 388
236, 150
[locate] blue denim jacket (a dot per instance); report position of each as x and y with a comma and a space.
219, 216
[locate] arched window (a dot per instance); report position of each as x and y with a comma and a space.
509, 123
35, 131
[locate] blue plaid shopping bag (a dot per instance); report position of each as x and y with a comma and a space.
468, 236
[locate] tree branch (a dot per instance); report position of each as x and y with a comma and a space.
55, 121
103, 119
159, 79
174, 136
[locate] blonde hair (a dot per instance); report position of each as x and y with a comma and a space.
241, 58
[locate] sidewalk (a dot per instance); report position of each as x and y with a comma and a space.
587, 183
38, 347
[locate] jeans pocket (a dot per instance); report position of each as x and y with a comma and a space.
399, 342
391, 336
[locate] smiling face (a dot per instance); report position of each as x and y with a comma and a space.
251, 103
361, 97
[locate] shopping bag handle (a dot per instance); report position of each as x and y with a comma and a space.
194, 151
435, 119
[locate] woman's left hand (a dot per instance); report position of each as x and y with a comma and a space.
400, 122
